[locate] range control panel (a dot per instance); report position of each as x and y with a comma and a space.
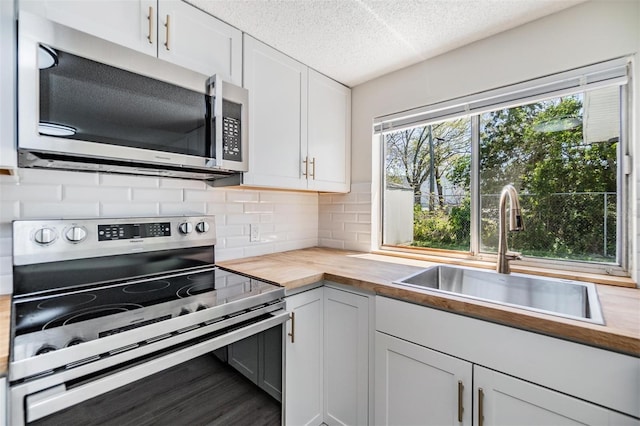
128, 231
39, 241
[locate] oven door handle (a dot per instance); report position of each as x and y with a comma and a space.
50, 401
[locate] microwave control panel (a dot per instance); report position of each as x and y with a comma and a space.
231, 131
231, 139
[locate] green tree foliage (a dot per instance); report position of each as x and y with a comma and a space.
562, 180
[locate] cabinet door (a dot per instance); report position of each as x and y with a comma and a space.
8, 156
270, 362
303, 365
329, 134
3, 401
277, 117
346, 358
196, 40
130, 23
416, 385
505, 400
243, 356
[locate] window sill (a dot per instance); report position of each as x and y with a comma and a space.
522, 269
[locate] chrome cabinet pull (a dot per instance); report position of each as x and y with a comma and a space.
293, 327
460, 407
150, 18
480, 407
167, 23
313, 168
306, 167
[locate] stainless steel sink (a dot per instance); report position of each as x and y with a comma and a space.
565, 298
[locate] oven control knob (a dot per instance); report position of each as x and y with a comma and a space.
44, 349
76, 234
184, 311
185, 228
44, 236
202, 227
201, 307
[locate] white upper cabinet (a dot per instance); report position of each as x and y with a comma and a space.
123, 22
300, 135
329, 134
195, 40
169, 29
8, 158
277, 88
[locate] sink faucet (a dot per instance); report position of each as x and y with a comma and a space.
515, 224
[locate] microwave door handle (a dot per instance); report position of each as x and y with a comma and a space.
209, 127
214, 87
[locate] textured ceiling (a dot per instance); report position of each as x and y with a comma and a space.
353, 41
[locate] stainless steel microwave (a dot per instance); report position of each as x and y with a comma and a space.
87, 104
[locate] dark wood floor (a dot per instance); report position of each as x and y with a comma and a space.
210, 393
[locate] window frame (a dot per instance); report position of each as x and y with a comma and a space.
562, 84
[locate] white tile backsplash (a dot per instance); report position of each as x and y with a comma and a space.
95, 193
344, 220
287, 220
177, 209
127, 209
31, 192
157, 195
36, 210
58, 176
107, 179
183, 184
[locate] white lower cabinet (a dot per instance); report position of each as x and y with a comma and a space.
418, 386
327, 358
3, 401
507, 401
303, 359
346, 353
422, 356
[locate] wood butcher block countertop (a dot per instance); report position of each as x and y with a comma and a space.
299, 268
375, 273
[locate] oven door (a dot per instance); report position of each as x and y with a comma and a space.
43, 400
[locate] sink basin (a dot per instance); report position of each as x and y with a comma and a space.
565, 298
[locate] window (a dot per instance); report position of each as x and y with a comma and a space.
558, 140
427, 176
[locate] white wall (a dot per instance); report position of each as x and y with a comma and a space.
287, 220
588, 33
